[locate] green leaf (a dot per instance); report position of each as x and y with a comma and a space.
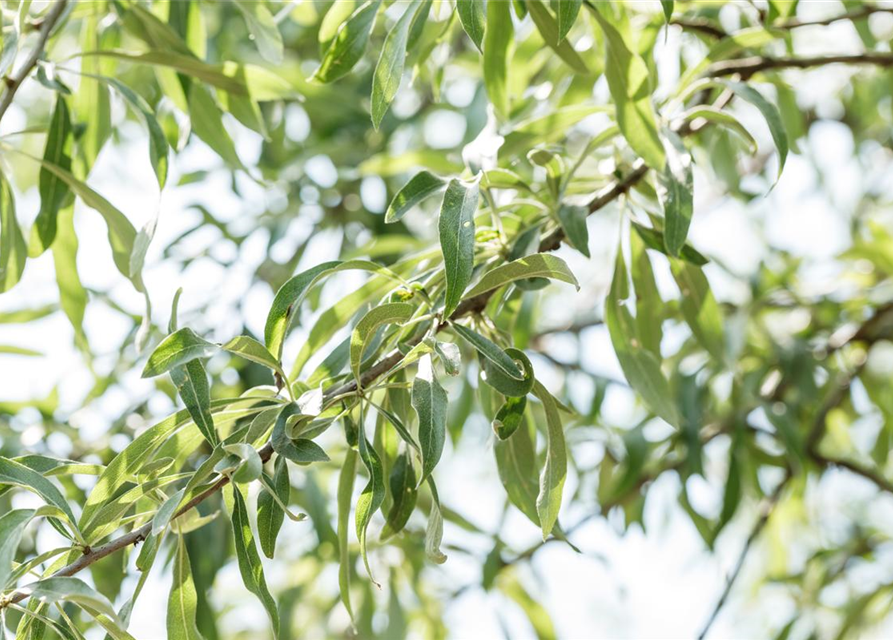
538, 265
300, 451
242, 463
68, 589
536, 613
12, 472
389, 70
699, 308
13, 250
667, 6
552, 478
53, 190
548, 28
404, 493
567, 11
456, 227
183, 600
263, 30
291, 294
270, 515
712, 114
471, 15
250, 349
490, 350
654, 239
449, 355
770, 113
497, 41
434, 531
164, 514
573, 222
430, 402
508, 385
546, 128
516, 463
393, 313
349, 43
177, 349
191, 382
345, 494
250, 565
629, 82
678, 181
373, 494
12, 525
509, 417
207, 123
420, 187
649, 305
640, 366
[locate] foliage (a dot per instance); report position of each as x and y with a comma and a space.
499, 130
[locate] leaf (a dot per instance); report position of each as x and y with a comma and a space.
699, 308
507, 385
434, 531
456, 227
490, 350
546, 128
300, 451
345, 493
242, 463
471, 15
567, 11
389, 70
393, 313
497, 41
12, 525
649, 305
548, 28
12, 472
349, 43
712, 114
263, 29
404, 493
191, 382
291, 294
538, 265
13, 250
270, 515
207, 123
509, 417
53, 190
628, 80
450, 357
164, 514
552, 478
573, 222
430, 403
654, 239
516, 463
667, 6
177, 349
183, 600
770, 113
678, 181
640, 366
536, 613
68, 589
250, 349
421, 186
372, 497
250, 565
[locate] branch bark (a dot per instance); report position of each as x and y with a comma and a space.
747, 67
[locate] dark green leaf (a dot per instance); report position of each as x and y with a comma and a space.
349, 43
301, 450
548, 28
13, 250
53, 190
473, 19
497, 41
12, 525
508, 385
345, 494
270, 515
192, 385
430, 402
573, 221
421, 186
456, 228
567, 11
373, 494
490, 350
403, 491
509, 417
654, 239
516, 462
538, 265
679, 204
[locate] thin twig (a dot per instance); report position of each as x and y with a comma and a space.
855, 14
746, 67
15, 81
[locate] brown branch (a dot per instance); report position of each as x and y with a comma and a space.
702, 25
747, 67
855, 14
15, 81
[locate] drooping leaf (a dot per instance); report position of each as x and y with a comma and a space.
473, 19
177, 349
509, 417
567, 12
345, 494
191, 382
392, 313
509, 385
207, 123
263, 30
373, 494
772, 116
183, 600
516, 462
649, 304
403, 492
53, 190
70, 589
548, 28
456, 228
678, 181
13, 250
421, 186
430, 402
12, 472
250, 349
490, 350
538, 265
699, 308
554, 473
389, 70
497, 41
654, 239
270, 515
301, 450
573, 221
349, 43
434, 531
12, 525
667, 7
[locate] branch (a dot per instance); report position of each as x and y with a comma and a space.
855, 14
746, 67
13, 82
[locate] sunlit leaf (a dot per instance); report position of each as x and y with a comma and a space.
456, 228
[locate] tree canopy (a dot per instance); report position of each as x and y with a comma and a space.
336, 272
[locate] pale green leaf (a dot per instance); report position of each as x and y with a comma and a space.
389, 70
177, 349
554, 473
349, 44
497, 42
473, 19
392, 313
183, 600
421, 186
538, 265
430, 402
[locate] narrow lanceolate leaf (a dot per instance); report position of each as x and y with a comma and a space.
13, 250
678, 181
573, 222
192, 385
404, 493
250, 349
430, 402
548, 501
490, 350
249, 560
471, 15
654, 239
434, 532
67, 589
567, 11
641, 367
548, 28
699, 308
389, 70
300, 450
12, 472
649, 305
497, 41
349, 43
345, 494
165, 512
516, 463
183, 600
421, 186
538, 265
770, 113
207, 123
456, 228
509, 417
667, 6
177, 349
628, 81
53, 190
12, 525
270, 515
372, 496
263, 29
393, 313
508, 385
